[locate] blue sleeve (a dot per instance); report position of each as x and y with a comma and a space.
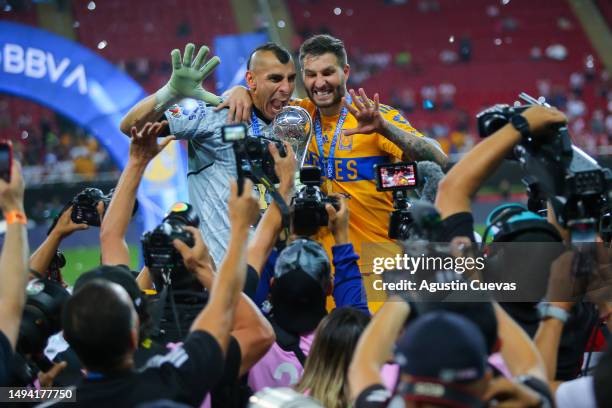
348, 283
263, 288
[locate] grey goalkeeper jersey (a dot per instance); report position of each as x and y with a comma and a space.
211, 163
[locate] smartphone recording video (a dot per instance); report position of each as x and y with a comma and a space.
6, 159
396, 176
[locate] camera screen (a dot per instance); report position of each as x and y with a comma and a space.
397, 176
234, 133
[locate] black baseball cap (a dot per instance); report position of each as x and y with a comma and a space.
441, 352
301, 282
119, 274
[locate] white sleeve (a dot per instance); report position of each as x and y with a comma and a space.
187, 118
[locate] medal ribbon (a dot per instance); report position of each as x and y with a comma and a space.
255, 124
319, 136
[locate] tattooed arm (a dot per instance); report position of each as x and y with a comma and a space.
414, 147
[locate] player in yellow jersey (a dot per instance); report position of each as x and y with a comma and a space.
352, 134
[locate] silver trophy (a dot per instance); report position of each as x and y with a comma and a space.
294, 126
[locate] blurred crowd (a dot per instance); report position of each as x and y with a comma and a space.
52, 149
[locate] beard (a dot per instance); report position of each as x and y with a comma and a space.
339, 92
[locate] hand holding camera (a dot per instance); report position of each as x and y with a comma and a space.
196, 258
11, 193
541, 119
284, 167
66, 226
144, 146
243, 208
338, 218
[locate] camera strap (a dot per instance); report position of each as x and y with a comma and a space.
158, 311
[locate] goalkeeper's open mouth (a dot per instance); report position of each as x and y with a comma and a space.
277, 105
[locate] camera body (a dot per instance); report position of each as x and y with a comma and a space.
400, 220
309, 211
252, 152
576, 185
84, 205
161, 257
41, 315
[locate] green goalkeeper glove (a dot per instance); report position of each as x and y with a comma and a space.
187, 77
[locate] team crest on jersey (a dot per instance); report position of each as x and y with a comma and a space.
190, 109
175, 111
346, 142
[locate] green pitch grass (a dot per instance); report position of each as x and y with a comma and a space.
80, 260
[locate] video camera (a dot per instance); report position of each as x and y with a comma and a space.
161, 257
309, 211
253, 159
576, 185
398, 178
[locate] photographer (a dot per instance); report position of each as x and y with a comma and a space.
461, 183
453, 201
300, 285
442, 358
13, 267
100, 311
251, 335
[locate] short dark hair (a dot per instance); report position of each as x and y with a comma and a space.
282, 55
322, 44
97, 324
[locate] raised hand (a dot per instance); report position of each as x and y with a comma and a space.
542, 119
369, 118
11, 194
244, 208
144, 146
65, 226
238, 100
187, 76
284, 167
198, 257
338, 219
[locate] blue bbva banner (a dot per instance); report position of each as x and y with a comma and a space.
79, 84
234, 50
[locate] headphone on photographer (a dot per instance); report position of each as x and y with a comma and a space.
508, 221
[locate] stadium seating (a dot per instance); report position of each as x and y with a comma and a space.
130, 33
495, 72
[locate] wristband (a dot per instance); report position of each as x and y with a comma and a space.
15, 217
164, 98
539, 387
547, 310
521, 125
